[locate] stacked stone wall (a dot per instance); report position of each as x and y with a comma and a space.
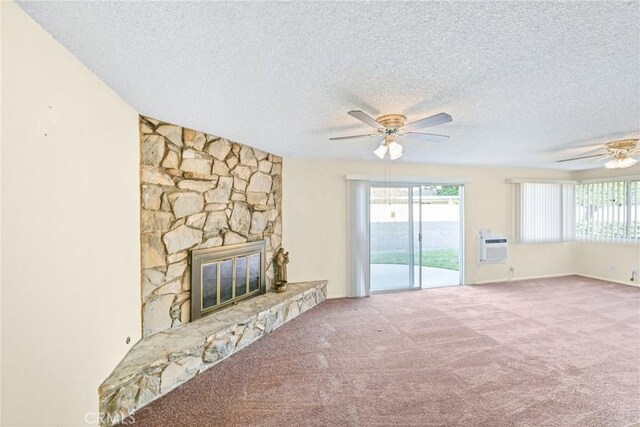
198, 191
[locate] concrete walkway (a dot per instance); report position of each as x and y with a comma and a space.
387, 277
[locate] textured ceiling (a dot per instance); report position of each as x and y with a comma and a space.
527, 83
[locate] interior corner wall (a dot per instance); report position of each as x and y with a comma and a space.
608, 261
70, 222
315, 219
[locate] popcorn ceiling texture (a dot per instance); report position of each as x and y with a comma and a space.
520, 79
198, 191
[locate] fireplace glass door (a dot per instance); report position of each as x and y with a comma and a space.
241, 276
209, 285
254, 272
224, 275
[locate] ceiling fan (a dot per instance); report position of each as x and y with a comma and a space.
619, 151
391, 126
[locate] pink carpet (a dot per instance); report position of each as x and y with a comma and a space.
548, 352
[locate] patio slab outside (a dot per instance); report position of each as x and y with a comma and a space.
389, 277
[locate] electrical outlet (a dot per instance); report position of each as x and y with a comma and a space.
511, 269
612, 267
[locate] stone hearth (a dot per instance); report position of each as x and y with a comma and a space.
161, 362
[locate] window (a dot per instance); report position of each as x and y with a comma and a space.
546, 212
607, 211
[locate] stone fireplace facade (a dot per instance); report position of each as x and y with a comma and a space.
198, 191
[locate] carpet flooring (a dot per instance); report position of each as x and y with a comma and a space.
547, 352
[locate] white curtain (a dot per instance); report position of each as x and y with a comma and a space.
358, 237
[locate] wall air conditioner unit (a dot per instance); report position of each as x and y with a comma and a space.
492, 248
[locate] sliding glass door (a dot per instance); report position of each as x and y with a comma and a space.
441, 235
391, 239
415, 236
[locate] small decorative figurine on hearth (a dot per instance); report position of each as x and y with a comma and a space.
281, 260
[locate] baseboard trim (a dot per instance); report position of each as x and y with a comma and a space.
604, 279
549, 276
517, 279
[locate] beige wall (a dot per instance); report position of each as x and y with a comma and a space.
1, 126
70, 218
314, 212
609, 261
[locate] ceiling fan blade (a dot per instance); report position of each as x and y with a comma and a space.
438, 119
428, 137
351, 137
582, 157
365, 119
599, 159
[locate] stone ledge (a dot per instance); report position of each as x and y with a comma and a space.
161, 362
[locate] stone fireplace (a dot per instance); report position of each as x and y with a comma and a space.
199, 191
210, 224
225, 275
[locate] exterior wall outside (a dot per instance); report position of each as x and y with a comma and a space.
435, 235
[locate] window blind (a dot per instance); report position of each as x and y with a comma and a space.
545, 212
608, 211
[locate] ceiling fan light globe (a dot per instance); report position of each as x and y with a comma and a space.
620, 163
395, 150
395, 156
612, 164
380, 151
630, 161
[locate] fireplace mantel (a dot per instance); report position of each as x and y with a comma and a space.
161, 362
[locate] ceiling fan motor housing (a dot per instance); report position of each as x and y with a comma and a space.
623, 145
390, 126
392, 121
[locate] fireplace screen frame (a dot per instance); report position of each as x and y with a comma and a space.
206, 257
